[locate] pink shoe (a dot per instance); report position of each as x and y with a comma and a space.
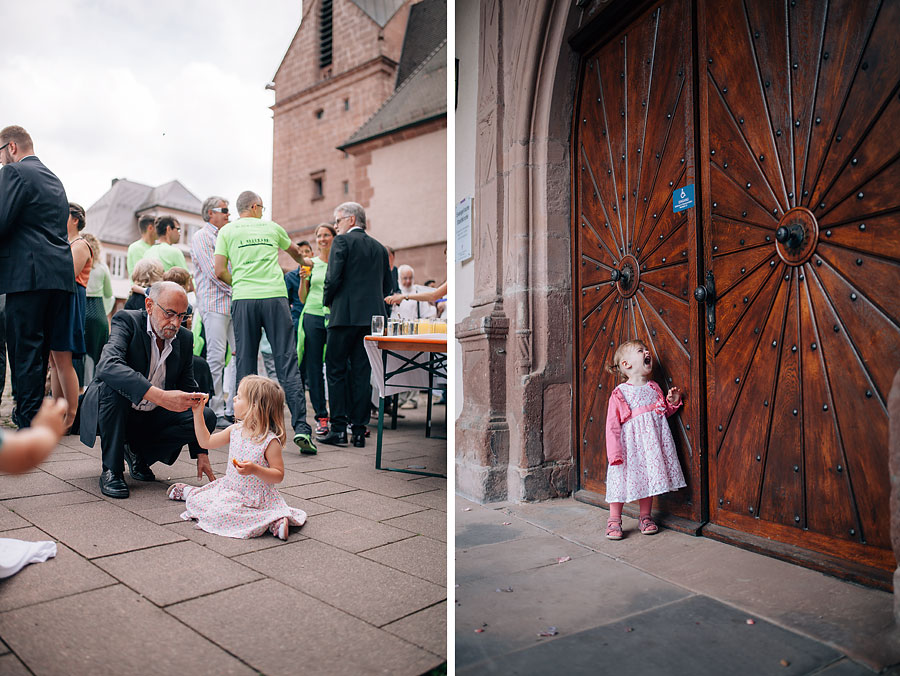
647, 526
176, 491
280, 528
614, 529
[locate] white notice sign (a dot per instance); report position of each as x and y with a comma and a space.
464, 230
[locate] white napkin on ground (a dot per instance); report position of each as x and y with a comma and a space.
16, 554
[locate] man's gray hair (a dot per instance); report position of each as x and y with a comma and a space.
157, 289
211, 203
245, 200
403, 268
354, 209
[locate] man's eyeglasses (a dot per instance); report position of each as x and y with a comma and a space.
221, 210
171, 314
258, 205
339, 219
5, 144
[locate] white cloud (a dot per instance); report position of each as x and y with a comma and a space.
150, 91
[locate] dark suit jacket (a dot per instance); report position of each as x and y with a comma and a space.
357, 281
34, 247
125, 364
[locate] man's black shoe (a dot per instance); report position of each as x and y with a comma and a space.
359, 440
334, 438
137, 467
113, 485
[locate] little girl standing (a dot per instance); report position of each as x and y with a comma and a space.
639, 444
244, 503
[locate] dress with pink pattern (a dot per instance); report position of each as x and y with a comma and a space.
240, 506
637, 431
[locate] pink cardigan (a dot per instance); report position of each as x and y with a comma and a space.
619, 412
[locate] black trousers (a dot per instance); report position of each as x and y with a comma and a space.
315, 337
273, 315
348, 371
30, 320
2, 343
157, 435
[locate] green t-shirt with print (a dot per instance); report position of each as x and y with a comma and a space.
251, 246
167, 254
136, 251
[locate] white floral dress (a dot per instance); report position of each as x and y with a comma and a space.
240, 506
650, 464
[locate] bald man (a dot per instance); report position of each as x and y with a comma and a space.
140, 399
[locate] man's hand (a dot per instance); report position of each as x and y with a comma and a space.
674, 396
199, 400
203, 467
52, 416
173, 400
396, 299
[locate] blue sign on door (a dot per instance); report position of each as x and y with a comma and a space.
683, 198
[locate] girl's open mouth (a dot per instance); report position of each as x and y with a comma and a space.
647, 360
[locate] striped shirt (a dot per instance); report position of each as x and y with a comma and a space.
213, 295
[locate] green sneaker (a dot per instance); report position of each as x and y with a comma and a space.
306, 445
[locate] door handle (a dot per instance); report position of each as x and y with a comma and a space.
707, 294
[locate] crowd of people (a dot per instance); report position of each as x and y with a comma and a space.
162, 374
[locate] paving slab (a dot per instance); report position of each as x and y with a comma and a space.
230, 546
479, 526
31, 483
733, 576
10, 665
280, 630
545, 597
371, 479
176, 572
318, 489
74, 468
350, 532
432, 499
369, 505
426, 629
513, 556
65, 574
429, 522
25, 506
697, 636
9, 519
78, 526
420, 556
365, 589
112, 642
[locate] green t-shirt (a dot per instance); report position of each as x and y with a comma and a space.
251, 246
136, 251
167, 254
313, 304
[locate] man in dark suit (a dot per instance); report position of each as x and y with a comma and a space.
140, 399
36, 270
357, 281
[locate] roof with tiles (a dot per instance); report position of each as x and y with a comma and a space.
380, 11
112, 218
421, 97
425, 29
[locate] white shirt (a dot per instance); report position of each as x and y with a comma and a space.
157, 373
413, 309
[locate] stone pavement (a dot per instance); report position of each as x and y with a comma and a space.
664, 604
359, 589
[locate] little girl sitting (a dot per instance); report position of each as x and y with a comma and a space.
244, 503
639, 444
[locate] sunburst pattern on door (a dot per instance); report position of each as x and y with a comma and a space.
802, 115
635, 257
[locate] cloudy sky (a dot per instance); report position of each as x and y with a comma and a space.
146, 90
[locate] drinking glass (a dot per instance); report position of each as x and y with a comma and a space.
377, 325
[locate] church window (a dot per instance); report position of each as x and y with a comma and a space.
325, 15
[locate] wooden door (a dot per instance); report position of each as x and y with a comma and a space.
633, 146
801, 155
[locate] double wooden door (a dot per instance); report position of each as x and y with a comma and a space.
773, 301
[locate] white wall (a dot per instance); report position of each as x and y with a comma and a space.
467, 37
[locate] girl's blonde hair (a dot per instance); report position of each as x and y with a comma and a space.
94, 243
617, 358
265, 407
178, 275
147, 271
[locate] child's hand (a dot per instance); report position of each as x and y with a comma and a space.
244, 468
52, 415
674, 396
198, 401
